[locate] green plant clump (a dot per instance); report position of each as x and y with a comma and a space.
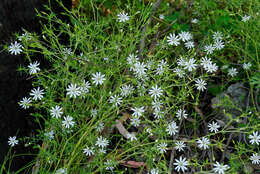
129, 86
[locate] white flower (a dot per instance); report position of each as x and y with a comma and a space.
139, 69
220, 168
232, 72
67, 122
160, 70
131, 60
217, 35
115, 100
158, 114
189, 44
25, 37
161, 16
162, 147
126, 90
149, 131
224, 67
179, 72
203, 143
245, 18
37, 94
100, 127
150, 63
255, 138
138, 111
131, 136
194, 21
218, 45
247, 66
61, 171
56, 111
155, 92
255, 158
12, 141
135, 121
200, 83
181, 114
25, 102
33, 67
102, 142
67, 51
172, 128
84, 88
181, 61
205, 62
15, 48
102, 151
173, 40
88, 151
109, 165
154, 171
156, 104
181, 164
122, 17
209, 48
213, 127
73, 91
179, 145
93, 112
190, 64
212, 68
83, 58
185, 36
98, 78
50, 134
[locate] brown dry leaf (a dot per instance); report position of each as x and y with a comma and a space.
122, 130
75, 3
133, 164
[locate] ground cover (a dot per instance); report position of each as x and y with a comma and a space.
145, 87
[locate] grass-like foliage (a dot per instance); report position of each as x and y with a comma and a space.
130, 87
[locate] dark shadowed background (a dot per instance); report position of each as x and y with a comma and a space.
16, 15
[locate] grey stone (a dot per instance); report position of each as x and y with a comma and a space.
231, 103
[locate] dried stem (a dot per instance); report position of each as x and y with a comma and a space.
228, 142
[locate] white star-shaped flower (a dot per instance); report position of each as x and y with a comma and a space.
220, 168
34, 67
203, 143
181, 164
213, 127
68, 122
56, 111
173, 39
12, 141
15, 48
122, 17
73, 91
255, 138
37, 94
200, 84
98, 78
155, 92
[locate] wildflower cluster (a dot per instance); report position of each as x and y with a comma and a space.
110, 104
